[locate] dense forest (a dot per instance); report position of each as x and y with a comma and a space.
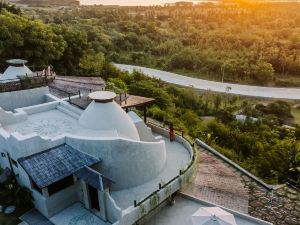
231, 41
247, 43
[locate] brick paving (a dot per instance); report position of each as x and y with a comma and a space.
219, 184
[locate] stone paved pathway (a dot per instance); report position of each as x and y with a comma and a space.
219, 184
280, 206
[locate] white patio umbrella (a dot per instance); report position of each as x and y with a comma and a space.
212, 216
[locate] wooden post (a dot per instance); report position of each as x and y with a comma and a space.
10, 164
145, 114
171, 132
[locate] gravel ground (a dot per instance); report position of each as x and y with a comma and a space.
63, 85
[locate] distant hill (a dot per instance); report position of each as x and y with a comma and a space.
50, 2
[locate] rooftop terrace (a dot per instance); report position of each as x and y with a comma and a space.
53, 123
181, 213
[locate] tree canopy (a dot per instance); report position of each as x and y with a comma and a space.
255, 43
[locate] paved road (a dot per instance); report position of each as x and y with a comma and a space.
247, 90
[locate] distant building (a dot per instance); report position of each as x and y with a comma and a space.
243, 118
16, 69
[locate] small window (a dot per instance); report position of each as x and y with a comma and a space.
60, 185
3, 155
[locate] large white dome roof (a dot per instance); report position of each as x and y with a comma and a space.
105, 114
12, 72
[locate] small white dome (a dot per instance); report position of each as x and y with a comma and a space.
105, 114
12, 72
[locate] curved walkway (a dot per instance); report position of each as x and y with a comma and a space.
247, 90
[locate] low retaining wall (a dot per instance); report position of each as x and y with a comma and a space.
25, 83
23, 98
10, 86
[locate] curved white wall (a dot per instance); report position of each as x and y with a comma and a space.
145, 132
128, 163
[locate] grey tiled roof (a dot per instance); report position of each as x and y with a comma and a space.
93, 178
52, 165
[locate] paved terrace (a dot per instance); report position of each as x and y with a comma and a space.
216, 183
53, 123
76, 215
177, 158
247, 90
183, 209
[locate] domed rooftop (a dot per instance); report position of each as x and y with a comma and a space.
104, 114
102, 96
17, 68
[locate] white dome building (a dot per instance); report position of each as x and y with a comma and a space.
104, 114
97, 158
16, 69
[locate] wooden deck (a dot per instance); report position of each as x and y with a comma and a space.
125, 101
